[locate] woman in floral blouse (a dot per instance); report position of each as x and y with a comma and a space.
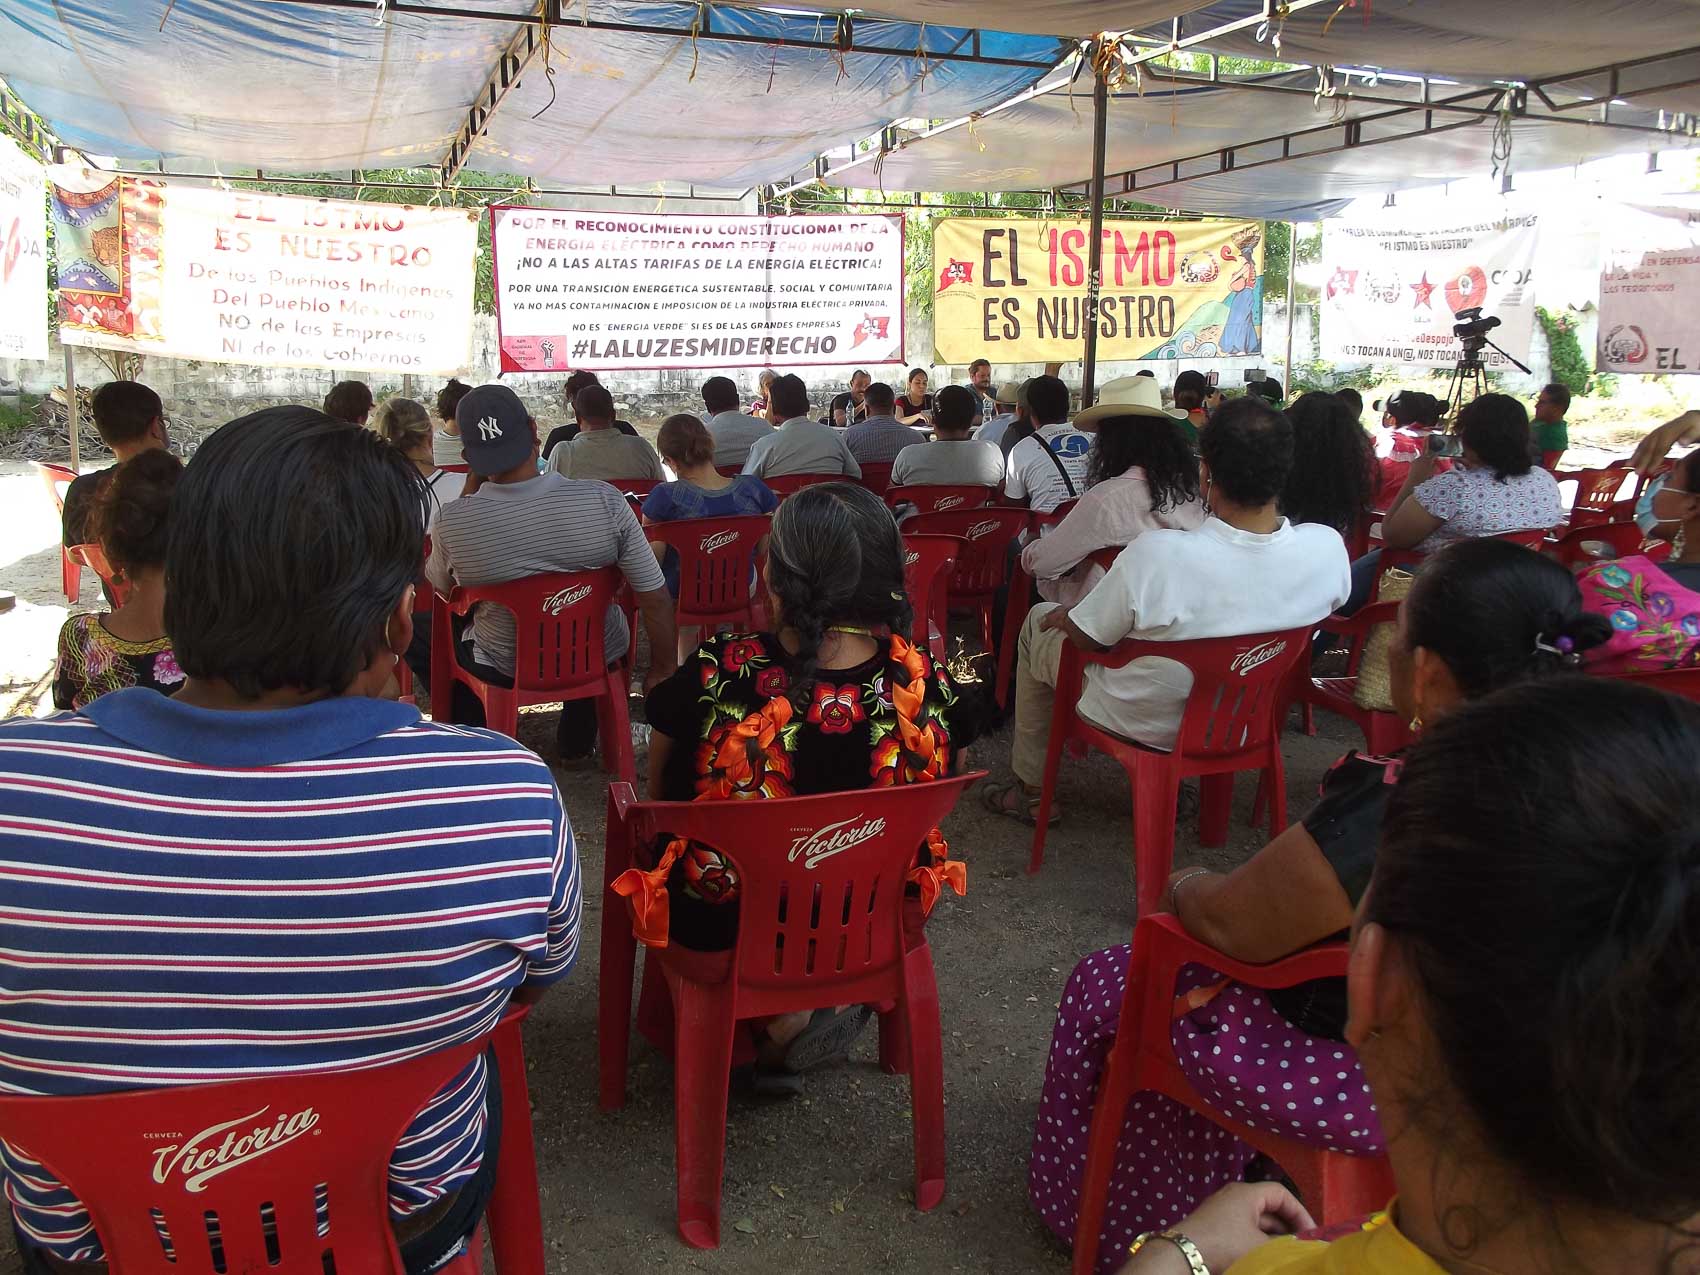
128, 646
836, 699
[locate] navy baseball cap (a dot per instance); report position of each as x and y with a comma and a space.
496, 433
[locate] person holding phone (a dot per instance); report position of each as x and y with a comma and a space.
1495, 488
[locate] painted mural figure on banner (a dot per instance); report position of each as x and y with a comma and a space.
1243, 331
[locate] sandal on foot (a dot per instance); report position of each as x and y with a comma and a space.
827, 1038
1012, 801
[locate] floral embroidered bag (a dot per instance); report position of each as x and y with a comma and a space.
1655, 621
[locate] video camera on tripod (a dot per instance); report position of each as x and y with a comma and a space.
1471, 329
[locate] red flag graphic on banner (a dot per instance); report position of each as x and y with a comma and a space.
873, 327
956, 272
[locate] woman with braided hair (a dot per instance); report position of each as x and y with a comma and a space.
836, 698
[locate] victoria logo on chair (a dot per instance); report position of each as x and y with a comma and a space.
719, 540
203, 1157
911, 558
833, 839
556, 603
982, 528
1256, 657
946, 502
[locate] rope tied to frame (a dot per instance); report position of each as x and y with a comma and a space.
1343, 6
1272, 34
696, 30
548, 62
1502, 139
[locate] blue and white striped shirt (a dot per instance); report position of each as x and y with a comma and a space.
189, 896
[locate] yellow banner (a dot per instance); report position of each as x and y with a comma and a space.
1014, 290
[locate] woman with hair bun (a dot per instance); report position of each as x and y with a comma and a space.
127, 646
835, 699
1484, 614
1523, 1003
445, 442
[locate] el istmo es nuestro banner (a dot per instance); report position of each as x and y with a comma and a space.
1650, 289
1394, 283
1014, 290
612, 291
268, 280
23, 255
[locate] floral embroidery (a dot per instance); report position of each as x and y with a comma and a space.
894, 763
165, 669
1643, 605
836, 709
739, 652
771, 682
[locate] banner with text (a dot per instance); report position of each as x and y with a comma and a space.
617, 291
268, 280
1649, 319
23, 255
1395, 283
1014, 290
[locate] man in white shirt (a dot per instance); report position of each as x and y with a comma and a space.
1049, 467
733, 432
952, 458
600, 450
1246, 570
1007, 411
798, 445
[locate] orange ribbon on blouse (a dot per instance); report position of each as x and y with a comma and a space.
645, 892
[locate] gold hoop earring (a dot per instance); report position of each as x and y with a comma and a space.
1416, 723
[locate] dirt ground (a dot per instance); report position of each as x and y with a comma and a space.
824, 1181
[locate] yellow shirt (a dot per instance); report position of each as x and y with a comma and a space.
1378, 1249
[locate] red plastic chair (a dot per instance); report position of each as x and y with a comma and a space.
1549, 460
57, 478
107, 1148
783, 485
1021, 598
1229, 725
455, 469
1676, 681
1040, 522
821, 923
876, 477
1384, 733
1336, 1185
927, 563
634, 489
94, 558
928, 498
559, 655
716, 567
982, 568
1575, 548
1597, 493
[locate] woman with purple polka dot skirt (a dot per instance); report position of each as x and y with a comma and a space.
1483, 614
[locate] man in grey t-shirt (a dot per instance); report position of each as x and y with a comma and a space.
733, 432
513, 522
798, 445
600, 450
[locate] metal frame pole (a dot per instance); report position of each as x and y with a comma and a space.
71, 412
1292, 269
1095, 246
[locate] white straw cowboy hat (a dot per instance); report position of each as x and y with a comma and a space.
1009, 394
1129, 396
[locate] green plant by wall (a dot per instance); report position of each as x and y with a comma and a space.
1569, 365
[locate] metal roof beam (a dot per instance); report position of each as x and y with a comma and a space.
503, 79
843, 38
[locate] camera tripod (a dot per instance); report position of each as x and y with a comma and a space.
1471, 374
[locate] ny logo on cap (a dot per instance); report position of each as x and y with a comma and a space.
489, 429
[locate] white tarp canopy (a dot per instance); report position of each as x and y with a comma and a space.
622, 93
1078, 18
1293, 155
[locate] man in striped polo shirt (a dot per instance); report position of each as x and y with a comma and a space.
277, 870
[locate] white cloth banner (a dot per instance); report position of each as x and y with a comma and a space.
1650, 289
267, 280
618, 291
23, 255
1394, 283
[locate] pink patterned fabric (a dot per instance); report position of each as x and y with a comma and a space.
1655, 621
